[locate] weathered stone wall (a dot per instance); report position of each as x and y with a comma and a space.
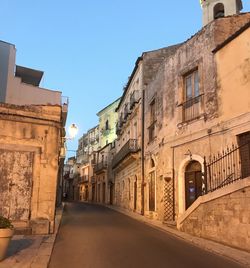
225, 219
30, 141
205, 136
124, 186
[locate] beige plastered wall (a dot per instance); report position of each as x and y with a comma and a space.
35, 129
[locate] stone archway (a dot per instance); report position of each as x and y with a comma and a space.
181, 180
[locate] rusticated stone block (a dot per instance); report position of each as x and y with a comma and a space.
40, 226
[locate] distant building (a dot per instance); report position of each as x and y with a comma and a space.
107, 123
87, 145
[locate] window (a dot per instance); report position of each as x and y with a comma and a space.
192, 96
192, 85
107, 125
152, 125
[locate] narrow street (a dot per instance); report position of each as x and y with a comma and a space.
93, 236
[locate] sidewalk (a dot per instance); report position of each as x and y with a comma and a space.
31, 251
242, 257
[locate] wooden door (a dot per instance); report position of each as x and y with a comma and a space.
16, 171
152, 191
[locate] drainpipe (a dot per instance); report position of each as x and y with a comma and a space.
142, 152
173, 180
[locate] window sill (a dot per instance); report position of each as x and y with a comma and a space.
190, 121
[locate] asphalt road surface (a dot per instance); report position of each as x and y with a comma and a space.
93, 236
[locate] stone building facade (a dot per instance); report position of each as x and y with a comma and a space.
87, 145
188, 118
128, 163
191, 104
29, 162
93, 154
107, 122
225, 213
182, 153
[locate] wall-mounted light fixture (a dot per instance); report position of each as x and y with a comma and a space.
188, 153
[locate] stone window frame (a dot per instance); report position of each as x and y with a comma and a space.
190, 68
152, 120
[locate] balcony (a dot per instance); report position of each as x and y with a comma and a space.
100, 167
192, 109
93, 179
152, 131
118, 129
130, 148
134, 98
106, 132
126, 113
84, 179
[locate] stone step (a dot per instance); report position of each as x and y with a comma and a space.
171, 224
23, 231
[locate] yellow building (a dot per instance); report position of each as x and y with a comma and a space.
107, 123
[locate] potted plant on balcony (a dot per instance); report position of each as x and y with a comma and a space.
6, 233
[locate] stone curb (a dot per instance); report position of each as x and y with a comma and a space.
239, 256
32, 251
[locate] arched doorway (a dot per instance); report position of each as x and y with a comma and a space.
152, 187
193, 182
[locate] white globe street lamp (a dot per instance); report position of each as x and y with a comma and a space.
73, 130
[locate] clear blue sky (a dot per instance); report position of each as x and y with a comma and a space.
87, 48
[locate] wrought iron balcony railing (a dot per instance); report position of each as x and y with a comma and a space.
84, 178
129, 148
192, 108
134, 98
101, 166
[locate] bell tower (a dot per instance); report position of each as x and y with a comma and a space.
214, 9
